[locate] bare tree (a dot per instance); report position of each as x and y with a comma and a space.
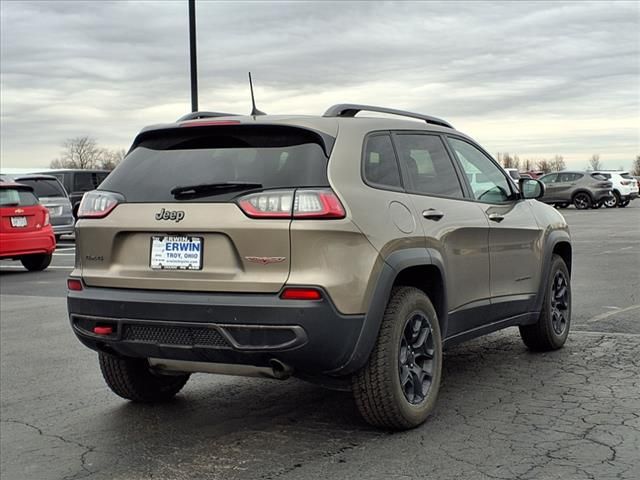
507, 160
516, 162
594, 162
544, 165
84, 152
527, 165
635, 169
557, 163
111, 158
78, 152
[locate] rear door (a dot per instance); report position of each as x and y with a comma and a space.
453, 226
235, 253
565, 184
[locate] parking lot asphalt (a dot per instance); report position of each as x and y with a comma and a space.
503, 412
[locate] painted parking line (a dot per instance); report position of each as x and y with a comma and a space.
604, 315
603, 334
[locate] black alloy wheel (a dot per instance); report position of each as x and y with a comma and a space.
415, 358
398, 386
582, 201
551, 330
559, 302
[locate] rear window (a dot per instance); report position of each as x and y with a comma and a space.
13, 197
45, 187
627, 176
275, 157
598, 176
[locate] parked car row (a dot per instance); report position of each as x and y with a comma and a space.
25, 229
583, 190
36, 209
586, 190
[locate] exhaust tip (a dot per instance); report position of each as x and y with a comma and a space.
281, 371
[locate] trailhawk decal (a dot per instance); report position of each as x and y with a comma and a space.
265, 260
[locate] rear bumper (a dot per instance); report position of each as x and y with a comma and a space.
63, 224
601, 195
27, 243
312, 337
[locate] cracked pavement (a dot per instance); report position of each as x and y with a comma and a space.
503, 412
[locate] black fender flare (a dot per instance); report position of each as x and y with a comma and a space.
554, 238
395, 263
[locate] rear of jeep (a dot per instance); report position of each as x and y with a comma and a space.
219, 246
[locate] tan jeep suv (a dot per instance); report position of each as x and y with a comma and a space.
340, 249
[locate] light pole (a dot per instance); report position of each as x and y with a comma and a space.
192, 50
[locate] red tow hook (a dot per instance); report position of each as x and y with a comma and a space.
103, 330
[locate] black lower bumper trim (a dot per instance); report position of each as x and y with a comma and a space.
252, 329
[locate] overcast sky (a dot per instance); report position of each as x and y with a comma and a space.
532, 78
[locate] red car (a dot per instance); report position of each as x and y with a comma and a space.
25, 231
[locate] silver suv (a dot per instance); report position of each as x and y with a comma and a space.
583, 190
344, 250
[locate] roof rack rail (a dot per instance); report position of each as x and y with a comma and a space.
351, 110
197, 115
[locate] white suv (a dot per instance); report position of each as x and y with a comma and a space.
625, 187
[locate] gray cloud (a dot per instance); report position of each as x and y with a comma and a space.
108, 68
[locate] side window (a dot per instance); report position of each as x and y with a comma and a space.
82, 182
549, 178
490, 183
98, 178
380, 165
430, 170
568, 177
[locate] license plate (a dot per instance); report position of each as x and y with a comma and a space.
18, 222
55, 211
176, 253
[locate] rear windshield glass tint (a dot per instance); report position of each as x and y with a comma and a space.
274, 158
10, 197
44, 187
627, 176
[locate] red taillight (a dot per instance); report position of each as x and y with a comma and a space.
98, 204
303, 203
300, 294
268, 204
317, 204
47, 218
74, 284
103, 330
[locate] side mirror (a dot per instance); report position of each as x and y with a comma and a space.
530, 188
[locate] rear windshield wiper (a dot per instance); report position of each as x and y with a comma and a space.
205, 189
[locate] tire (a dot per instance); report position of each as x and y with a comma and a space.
562, 205
36, 263
624, 203
582, 201
551, 330
596, 205
131, 378
613, 202
378, 389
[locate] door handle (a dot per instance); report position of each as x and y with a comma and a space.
496, 217
432, 214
